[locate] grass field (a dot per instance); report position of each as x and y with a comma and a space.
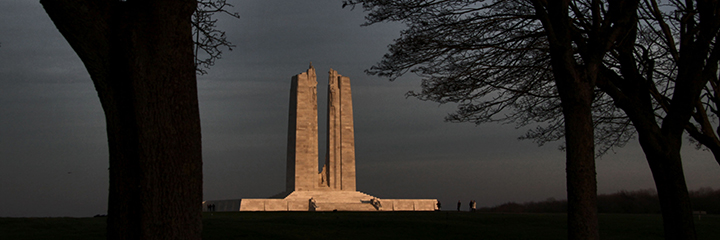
366, 225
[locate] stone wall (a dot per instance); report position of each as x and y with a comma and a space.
408, 204
325, 205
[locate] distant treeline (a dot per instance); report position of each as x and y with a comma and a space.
640, 201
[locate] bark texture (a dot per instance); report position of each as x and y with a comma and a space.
576, 81
140, 57
576, 93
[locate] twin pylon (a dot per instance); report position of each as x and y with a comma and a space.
332, 188
338, 173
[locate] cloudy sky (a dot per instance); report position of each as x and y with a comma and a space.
53, 147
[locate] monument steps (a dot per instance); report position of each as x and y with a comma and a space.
330, 196
345, 207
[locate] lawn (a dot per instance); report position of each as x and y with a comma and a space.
369, 225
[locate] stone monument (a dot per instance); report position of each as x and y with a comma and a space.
333, 188
338, 173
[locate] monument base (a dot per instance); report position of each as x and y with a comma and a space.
323, 201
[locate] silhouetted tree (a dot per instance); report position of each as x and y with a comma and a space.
667, 35
517, 58
662, 77
140, 57
484, 56
657, 80
208, 37
657, 49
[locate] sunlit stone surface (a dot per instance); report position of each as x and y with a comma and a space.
334, 187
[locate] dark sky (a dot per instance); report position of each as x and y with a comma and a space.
53, 146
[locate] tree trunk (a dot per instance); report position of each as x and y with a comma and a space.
663, 156
576, 95
580, 165
139, 55
661, 143
662, 152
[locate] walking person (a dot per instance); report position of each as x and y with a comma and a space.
459, 204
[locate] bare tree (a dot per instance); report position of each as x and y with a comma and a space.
512, 61
658, 83
492, 59
666, 82
666, 27
613, 127
661, 78
140, 57
209, 40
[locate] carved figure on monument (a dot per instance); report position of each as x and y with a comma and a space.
313, 204
376, 203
